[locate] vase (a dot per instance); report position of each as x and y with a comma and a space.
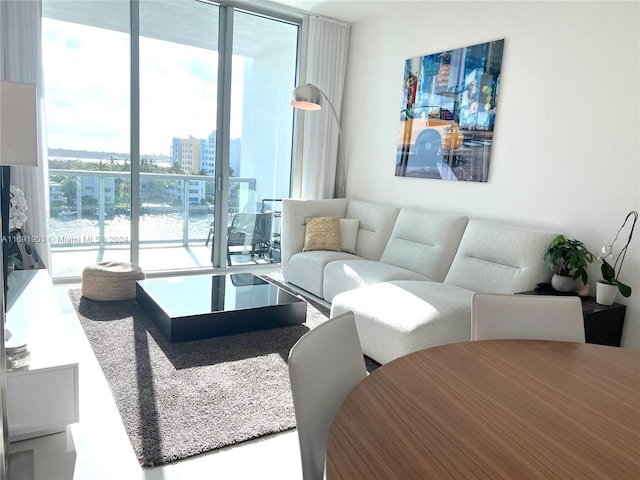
584, 290
605, 293
563, 283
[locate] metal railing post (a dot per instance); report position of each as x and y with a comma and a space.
101, 208
185, 212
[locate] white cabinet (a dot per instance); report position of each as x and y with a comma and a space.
43, 397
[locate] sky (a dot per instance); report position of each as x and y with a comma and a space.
87, 97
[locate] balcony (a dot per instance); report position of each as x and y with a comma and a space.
91, 220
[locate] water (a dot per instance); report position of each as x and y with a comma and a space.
153, 227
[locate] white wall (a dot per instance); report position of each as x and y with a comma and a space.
566, 147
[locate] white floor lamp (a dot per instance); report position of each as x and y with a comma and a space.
310, 97
18, 147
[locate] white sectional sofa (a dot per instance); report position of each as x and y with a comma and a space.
410, 279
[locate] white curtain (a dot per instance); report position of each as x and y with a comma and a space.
21, 45
324, 65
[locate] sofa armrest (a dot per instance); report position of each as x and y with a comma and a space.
294, 213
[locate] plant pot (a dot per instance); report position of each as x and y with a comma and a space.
563, 283
584, 290
605, 293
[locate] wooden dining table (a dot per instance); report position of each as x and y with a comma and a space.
493, 409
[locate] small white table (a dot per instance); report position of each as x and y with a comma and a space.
42, 398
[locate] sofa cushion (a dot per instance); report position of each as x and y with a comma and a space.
349, 234
343, 275
305, 269
496, 258
294, 214
400, 317
322, 233
424, 242
376, 224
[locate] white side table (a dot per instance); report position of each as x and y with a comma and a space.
42, 398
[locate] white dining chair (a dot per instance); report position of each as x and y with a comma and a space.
324, 366
539, 317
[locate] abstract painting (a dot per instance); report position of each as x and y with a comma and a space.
448, 113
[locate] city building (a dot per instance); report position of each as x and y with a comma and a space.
186, 152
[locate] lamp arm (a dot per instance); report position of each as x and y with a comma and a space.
343, 160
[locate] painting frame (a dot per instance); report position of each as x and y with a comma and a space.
448, 113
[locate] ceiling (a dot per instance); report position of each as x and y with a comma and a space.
350, 11
187, 22
190, 22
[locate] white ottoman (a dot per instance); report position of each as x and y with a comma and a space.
109, 281
401, 317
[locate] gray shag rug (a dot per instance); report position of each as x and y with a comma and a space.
177, 400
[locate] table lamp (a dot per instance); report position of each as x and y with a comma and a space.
18, 147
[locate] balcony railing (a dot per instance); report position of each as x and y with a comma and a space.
92, 208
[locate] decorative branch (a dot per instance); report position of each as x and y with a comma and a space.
609, 273
623, 252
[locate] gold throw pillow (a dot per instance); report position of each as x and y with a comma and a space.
322, 233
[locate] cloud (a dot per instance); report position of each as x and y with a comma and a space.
201, 69
72, 43
87, 90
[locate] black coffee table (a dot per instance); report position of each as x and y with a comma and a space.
197, 307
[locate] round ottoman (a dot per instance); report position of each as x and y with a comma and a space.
108, 281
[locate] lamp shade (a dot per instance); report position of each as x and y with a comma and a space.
18, 124
306, 97
310, 97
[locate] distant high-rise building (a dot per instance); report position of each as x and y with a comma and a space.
208, 155
199, 155
234, 157
186, 151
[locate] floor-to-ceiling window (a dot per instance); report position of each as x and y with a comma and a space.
178, 68
86, 66
196, 128
260, 130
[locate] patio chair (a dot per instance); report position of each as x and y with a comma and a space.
251, 207
251, 231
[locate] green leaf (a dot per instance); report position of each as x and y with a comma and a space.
608, 274
13, 258
585, 277
625, 290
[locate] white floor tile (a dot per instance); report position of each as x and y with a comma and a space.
103, 450
275, 457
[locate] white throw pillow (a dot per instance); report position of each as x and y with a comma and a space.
349, 234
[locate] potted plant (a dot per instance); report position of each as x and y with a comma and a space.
568, 258
608, 287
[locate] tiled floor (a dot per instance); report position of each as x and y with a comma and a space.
67, 263
103, 451
70, 262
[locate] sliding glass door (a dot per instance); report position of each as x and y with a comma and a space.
86, 63
165, 120
261, 128
178, 69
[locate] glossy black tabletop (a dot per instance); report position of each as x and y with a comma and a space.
194, 295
